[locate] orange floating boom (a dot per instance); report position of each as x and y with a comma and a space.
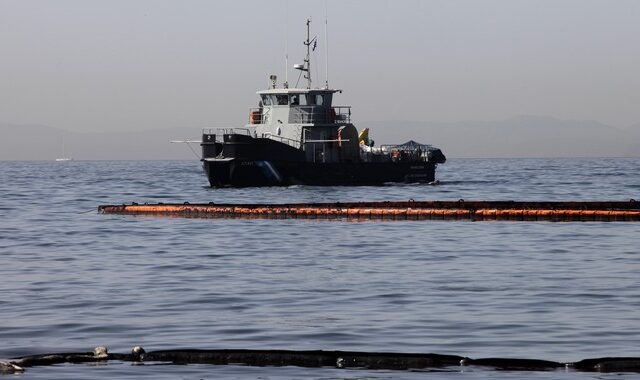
409, 210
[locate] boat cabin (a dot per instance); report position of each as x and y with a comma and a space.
297, 106
306, 119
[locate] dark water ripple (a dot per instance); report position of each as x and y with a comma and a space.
72, 279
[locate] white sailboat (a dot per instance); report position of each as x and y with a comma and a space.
64, 157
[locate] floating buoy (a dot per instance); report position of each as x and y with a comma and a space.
410, 210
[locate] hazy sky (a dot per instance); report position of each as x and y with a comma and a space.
133, 65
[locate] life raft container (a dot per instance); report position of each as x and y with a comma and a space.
255, 117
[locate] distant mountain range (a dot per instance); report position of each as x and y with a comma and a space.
522, 136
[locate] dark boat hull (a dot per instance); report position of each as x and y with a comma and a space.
236, 172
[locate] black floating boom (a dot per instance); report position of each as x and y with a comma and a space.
319, 358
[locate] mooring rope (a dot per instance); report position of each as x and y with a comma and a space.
319, 358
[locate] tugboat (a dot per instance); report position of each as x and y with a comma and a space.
297, 136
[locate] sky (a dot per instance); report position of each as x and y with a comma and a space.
103, 66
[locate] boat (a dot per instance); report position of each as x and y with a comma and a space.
64, 157
297, 136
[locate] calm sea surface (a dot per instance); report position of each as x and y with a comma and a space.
71, 279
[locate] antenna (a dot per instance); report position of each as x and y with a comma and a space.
326, 41
286, 44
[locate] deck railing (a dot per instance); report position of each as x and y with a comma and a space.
342, 114
219, 132
282, 139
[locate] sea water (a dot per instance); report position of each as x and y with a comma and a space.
72, 279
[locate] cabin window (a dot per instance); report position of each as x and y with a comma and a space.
282, 100
266, 100
297, 100
315, 99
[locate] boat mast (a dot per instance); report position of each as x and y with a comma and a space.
307, 60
